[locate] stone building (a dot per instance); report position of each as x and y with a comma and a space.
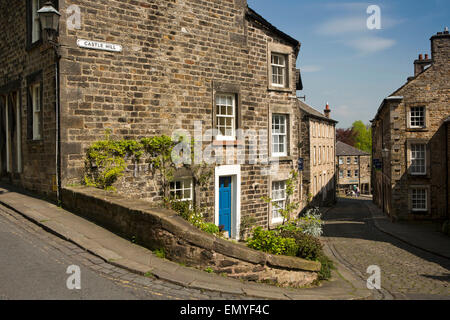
410, 141
318, 144
353, 168
149, 68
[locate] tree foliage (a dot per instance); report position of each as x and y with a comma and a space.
346, 136
358, 136
363, 136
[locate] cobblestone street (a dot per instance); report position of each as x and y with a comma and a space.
34, 264
406, 272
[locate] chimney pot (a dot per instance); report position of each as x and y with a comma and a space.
426, 56
327, 110
420, 56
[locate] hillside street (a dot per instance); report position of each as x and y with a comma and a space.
406, 271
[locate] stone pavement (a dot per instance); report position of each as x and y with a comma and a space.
122, 253
407, 272
421, 235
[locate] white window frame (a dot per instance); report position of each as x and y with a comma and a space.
356, 173
279, 198
37, 109
425, 199
424, 159
185, 184
278, 67
220, 136
314, 155
341, 160
421, 118
355, 160
349, 160
280, 134
341, 173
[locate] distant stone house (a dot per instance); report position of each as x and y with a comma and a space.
318, 144
353, 169
410, 141
170, 65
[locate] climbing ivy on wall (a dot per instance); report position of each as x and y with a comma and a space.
106, 161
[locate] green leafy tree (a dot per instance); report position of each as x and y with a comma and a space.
363, 136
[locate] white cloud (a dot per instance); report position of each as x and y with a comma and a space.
343, 25
310, 68
368, 45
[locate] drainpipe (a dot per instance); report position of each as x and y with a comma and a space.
58, 127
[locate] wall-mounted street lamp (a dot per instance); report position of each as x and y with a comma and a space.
49, 18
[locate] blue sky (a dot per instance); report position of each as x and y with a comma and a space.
345, 63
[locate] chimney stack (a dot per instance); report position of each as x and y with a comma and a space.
327, 110
440, 48
421, 63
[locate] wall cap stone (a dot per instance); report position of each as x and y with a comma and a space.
171, 222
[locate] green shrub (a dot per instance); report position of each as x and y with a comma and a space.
193, 215
289, 227
271, 242
210, 228
160, 253
327, 266
308, 246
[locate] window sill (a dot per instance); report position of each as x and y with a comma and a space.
417, 129
280, 89
281, 158
228, 142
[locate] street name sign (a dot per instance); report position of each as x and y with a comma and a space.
97, 45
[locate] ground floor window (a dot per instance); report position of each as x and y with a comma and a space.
181, 190
419, 199
278, 200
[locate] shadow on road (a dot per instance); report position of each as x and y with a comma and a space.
351, 219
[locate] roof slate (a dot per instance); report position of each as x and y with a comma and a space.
343, 149
311, 111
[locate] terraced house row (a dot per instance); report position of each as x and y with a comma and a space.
147, 68
411, 137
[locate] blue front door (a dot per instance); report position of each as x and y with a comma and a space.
225, 203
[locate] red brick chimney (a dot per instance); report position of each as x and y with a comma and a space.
327, 111
421, 63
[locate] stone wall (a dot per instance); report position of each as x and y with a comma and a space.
176, 56
322, 168
157, 228
429, 89
19, 62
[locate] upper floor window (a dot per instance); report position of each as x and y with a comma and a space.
341, 173
356, 160
279, 135
356, 173
349, 173
418, 158
417, 117
181, 190
341, 160
314, 155
278, 70
278, 200
226, 116
348, 160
